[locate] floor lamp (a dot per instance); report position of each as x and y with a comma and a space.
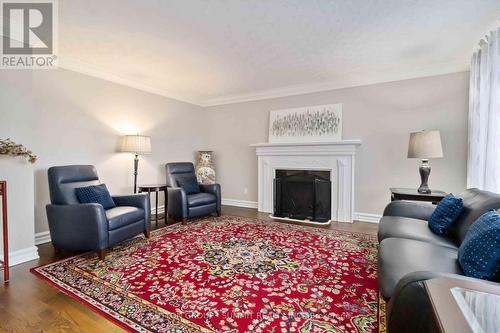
137, 145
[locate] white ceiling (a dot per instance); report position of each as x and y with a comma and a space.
210, 52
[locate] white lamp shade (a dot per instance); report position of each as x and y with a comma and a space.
137, 144
425, 144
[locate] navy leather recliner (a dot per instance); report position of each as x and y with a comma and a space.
83, 227
182, 206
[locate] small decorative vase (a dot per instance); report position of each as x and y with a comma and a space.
205, 170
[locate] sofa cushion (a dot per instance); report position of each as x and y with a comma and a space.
405, 227
123, 215
479, 254
476, 203
200, 199
398, 257
189, 183
95, 194
446, 212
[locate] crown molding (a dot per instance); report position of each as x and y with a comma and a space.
90, 70
93, 71
320, 87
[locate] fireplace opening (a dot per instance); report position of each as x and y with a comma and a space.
303, 195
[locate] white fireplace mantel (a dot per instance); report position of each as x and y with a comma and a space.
336, 157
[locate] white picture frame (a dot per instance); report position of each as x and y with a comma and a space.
320, 123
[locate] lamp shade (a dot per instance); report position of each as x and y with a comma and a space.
425, 144
137, 144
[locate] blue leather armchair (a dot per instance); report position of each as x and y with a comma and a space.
83, 227
182, 206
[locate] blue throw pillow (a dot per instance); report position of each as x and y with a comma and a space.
479, 253
446, 212
189, 183
95, 194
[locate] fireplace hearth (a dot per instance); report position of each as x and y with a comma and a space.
302, 195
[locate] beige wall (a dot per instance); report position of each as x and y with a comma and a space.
16, 122
78, 119
382, 115
71, 118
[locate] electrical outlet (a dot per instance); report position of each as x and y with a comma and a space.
245, 190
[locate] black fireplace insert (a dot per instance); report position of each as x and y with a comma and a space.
303, 195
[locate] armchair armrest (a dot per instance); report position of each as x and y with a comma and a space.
177, 203
214, 189
78, 227
140, 200
416, 210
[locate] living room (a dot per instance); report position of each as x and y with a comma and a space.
249, 166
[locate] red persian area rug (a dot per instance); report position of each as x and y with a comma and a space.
230, 274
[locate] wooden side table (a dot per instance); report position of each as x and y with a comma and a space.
4, 264
157, 188
412, 194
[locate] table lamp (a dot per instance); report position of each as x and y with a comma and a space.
425, 145
137, 145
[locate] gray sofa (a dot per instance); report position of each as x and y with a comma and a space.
409, 254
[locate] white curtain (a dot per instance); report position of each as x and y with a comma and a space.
483, 165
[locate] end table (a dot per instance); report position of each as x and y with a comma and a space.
157, 188
412, 194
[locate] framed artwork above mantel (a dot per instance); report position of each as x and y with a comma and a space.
320, 123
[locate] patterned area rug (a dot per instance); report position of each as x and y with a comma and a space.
230, 274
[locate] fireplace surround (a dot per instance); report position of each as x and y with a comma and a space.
337, 157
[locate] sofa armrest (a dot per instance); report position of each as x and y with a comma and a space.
214, 189
140, 200
410, 294
414, 277
421, 276
78, 227
416, 210
177, 203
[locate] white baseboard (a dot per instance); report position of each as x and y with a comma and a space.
367, 217
42, 237
239, 203
23, 255
161, 210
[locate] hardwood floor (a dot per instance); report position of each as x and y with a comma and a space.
29, 304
